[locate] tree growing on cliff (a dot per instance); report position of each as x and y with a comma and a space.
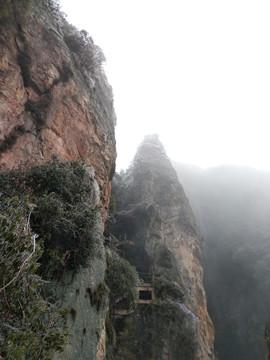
122, 279
30, 326
89, 55
65, 214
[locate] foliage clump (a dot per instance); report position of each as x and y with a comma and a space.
99, 295
30, 326
166, 289
89, 55
64, 216
122, 279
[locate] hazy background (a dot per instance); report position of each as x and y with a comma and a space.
231, 206
195, 72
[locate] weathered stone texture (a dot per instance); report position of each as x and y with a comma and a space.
152, 203
46, 106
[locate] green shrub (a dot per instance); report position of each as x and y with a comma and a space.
122, 279
64, 216
89, 55
30, 327
99, 295
166, 289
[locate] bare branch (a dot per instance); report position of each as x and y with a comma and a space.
23, 264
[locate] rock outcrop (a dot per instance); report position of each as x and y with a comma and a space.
55, 102
154, 214
46, 104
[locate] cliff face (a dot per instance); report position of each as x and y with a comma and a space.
153, 212
46, 104
51, 102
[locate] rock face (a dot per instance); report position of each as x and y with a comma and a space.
153, 212
52, 104
46, 105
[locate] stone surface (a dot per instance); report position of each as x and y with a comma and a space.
47, 107
85, 322
154, 211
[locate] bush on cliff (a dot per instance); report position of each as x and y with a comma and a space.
30, 326
122, 279
64, 216
166, 289
89, 55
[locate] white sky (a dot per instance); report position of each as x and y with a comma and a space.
197, 72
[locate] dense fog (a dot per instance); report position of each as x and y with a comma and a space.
232, 209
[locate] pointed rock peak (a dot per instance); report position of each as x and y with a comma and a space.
150, 165
149, 151
152, 139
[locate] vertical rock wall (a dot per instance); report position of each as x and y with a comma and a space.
154, 211
46, 105
50, 105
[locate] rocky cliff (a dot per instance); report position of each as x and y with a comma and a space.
55, 100
50, 101
155, 218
